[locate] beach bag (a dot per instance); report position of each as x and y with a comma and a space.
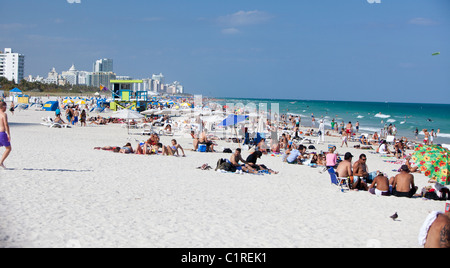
219, 162
431, 195
227, 167
227, 150
311, 147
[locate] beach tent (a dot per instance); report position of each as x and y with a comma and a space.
16, 91
13, 93
232, 120
51, 106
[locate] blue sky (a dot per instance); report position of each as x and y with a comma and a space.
299, 49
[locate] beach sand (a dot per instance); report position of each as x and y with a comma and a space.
60, 192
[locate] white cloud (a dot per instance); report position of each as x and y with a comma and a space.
230, 31
244, 18
422, 21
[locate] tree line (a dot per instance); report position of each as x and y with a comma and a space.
24, 85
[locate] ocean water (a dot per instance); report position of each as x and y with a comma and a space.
371, 115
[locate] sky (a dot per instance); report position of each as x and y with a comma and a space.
357, 50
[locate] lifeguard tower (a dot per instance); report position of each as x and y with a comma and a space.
124, 97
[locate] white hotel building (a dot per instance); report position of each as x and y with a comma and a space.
12, 65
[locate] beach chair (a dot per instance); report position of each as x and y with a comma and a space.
340, 182
48, 122
390, 139
147, 130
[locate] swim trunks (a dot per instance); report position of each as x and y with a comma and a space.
4, 142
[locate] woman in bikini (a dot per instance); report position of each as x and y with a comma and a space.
171, 150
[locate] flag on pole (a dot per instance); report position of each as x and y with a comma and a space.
103, 88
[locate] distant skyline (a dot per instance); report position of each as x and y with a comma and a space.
343, 50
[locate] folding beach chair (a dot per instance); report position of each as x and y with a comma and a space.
340, 182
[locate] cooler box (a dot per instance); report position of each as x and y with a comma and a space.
202, 148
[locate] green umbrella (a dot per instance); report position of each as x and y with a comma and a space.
433, 161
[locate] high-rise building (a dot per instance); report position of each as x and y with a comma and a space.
158, 77
71, 75
103, 65
100, 78
12, 65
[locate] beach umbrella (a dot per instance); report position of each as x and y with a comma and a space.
186, 105
232, 120
150, 111
80, 102
433, 161
127, 114
67, 101
167, 112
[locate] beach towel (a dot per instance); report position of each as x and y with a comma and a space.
204, 167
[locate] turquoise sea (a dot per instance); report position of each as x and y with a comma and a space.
371, 115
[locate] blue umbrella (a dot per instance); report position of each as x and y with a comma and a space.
233, 119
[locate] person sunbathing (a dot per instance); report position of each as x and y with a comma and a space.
363, 140
383, 149
59, 120
380, 186
204, 140
411, 166
262, 146
403, 184
127, 149
152, 145
172, 150
435, 231
251, 161
114, 149
236, 158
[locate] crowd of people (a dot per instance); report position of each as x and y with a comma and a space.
152, 146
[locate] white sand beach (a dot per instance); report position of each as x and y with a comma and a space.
60, 192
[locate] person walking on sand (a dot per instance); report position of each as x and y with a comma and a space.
5, 135
11, 109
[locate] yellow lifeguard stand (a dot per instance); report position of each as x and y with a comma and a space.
125, 98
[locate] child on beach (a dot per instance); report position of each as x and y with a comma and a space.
5, 135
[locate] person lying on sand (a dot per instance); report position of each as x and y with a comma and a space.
126, 149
